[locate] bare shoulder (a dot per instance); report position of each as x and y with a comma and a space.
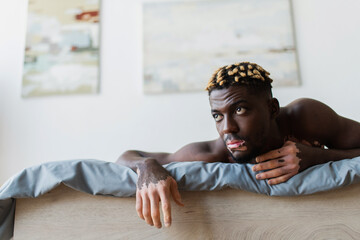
314, 120
307, 109
303, 106
218, 151
207, 151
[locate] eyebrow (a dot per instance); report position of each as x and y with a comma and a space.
235, 103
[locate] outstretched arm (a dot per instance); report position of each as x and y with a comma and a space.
316, 124
155, 184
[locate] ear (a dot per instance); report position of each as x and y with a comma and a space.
274, 108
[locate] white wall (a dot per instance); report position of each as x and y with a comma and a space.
102, 126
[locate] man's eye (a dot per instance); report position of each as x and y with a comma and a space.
240, 110
217, 117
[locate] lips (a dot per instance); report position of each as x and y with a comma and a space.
236, 145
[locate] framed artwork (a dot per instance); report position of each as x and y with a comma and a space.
186, 41
62, 48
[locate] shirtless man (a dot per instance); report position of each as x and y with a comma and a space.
253, 129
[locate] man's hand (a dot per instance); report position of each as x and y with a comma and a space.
154, 185
280, 164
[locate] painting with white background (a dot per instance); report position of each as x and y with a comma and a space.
62, 48
186, 41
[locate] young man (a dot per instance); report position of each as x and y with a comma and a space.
253, 129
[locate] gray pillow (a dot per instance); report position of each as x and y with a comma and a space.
106, 178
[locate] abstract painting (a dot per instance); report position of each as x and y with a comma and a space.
62, 48
184, 42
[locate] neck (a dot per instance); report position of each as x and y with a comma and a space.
275, 139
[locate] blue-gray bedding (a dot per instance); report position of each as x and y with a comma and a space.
106, 178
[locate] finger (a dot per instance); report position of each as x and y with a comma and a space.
139, 205
146, 209
155, 211
275, 163
277, 153
166, 207
288, 143
277, 172
307, 143
281, 179
175, 193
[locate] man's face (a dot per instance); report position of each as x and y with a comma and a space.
242, 120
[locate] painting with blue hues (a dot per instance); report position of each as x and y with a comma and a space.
184, 42
62, 48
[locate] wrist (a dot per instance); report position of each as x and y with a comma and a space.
147, 163
148, 160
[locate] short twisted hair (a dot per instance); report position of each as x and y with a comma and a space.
243, 74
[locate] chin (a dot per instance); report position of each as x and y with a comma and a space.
243, 157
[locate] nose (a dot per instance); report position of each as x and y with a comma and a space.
230, 125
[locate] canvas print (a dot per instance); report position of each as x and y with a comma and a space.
62, 48
186, 41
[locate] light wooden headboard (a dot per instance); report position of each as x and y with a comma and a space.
228, 214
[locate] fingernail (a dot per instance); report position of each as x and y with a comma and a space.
258, 176
167, 224
257, 159
254, 168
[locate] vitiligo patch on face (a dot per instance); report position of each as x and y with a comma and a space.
237, 145
241, 149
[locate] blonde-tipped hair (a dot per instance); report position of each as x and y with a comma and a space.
244, 73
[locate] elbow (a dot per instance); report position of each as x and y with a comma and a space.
126, 156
